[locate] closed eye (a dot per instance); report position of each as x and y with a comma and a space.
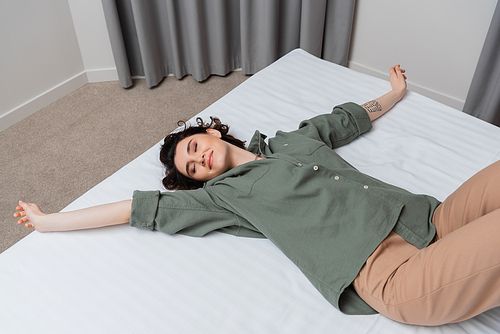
194, 146
190, 171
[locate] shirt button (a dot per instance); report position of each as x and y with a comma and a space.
315, 167
299, 164
337, 178
366, 187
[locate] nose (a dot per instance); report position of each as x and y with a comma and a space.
201, 159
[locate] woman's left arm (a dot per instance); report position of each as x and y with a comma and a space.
383, 104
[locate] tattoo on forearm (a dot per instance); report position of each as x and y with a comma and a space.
372, 106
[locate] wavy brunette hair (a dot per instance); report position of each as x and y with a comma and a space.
173, 179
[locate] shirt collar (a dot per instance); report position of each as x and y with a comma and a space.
257, 145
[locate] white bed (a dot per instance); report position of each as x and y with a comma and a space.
125, 280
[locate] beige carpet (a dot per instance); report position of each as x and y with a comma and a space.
57, 154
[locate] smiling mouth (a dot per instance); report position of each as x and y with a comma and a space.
210, 159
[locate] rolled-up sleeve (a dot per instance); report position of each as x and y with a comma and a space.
144, 207
189, 212
345, 123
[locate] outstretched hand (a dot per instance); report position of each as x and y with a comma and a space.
397, 78
380, 106
29, 214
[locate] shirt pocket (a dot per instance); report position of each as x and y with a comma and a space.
297, 145
241, 184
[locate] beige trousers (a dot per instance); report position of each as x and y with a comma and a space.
453, 279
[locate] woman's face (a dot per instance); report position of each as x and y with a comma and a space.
202, 157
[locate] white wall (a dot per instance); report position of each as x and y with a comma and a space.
40, 59
52, 47
93, 38
49, 48
438, 42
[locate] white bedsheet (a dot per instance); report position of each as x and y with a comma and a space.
125, 280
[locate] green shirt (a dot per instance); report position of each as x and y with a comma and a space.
321, 212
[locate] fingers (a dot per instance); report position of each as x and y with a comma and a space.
22, 220
397, 69
21, 213
23, 204
398, 72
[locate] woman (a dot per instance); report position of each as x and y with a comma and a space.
365, 245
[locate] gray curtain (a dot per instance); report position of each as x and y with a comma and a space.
154, 38
483, 99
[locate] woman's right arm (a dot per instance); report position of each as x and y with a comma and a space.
93, 217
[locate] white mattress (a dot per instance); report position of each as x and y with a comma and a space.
125, 280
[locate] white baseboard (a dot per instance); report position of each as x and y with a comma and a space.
430, 93
50, 96
102, 75
55, 93
41, 101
